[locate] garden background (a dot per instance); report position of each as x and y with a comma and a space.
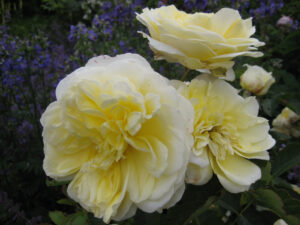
44, 40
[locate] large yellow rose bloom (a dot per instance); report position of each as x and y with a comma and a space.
201, 41
121, 134
227, 132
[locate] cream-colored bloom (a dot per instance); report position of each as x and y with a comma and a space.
227, 132
296, 188
256, 80
280, 222
121, 134
201, 41
286, 122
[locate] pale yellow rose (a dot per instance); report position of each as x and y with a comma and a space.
280, 222
296, 188
200, 41
286, 122
227, 132
122, 134
256, 80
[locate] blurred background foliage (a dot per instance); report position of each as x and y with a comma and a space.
44, 40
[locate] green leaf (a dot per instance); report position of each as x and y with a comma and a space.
52, 183
266, 173
252, 216
79, 218
280, 136
230, 202
194, 198
201, 210
290, 199
66, 201
292, 220
279, 182
294, 105
290, 44
92, 220
58, 217
209, 217
245, 198
269, 106
286, 159
243, 221
269, 199
146, 218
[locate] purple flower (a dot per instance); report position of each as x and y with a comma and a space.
107, 30
160, 4
37, 48
25, 128
115, 51
92, 35
21, 64
295, 25
73, 33
201, 4
188, 4
96, 20
106, 6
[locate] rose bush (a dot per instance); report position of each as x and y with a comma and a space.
227, 132
121, 134
201, 41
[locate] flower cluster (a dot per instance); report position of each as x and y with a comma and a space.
267, 7
26, 65
127, 138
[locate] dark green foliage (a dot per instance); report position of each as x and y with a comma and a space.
286, 159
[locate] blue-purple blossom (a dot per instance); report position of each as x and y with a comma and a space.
92, 35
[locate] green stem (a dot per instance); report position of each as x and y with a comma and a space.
243, 210
198, 212
184, 75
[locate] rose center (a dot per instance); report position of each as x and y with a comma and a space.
212, 134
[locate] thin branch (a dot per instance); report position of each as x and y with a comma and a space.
184, 75
198, 212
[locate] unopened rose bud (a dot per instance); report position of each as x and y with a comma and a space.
285, 21
256, 80
286, 122
280, 222
296, 188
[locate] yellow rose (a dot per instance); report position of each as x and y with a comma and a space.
200, 41
122, 134
256, 80
296, 188
286, 122
227, 132
280, 222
